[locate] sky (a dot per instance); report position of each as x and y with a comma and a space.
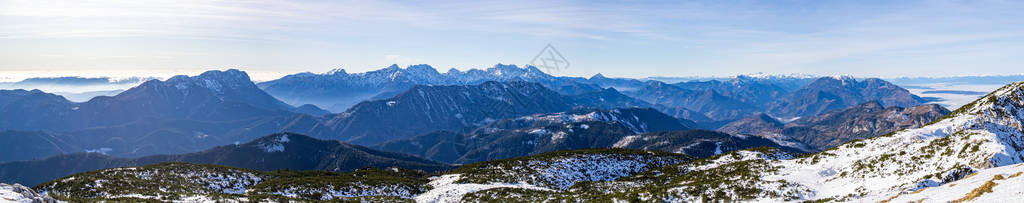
269, 39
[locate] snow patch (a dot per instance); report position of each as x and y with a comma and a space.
447, 190
101, 150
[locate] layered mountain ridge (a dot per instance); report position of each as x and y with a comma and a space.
337, 90
187, 114
831, 93
934, 162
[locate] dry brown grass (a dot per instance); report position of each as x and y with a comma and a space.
890, 199
897, 195
985, 188
968, 176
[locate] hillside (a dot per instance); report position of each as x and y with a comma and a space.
832, 93
182, 182
699, 143
273, 152
556, 171
24, 144
19, 193
832, 128
633, 128
425, 108
1000, 184
713, 103
707, 101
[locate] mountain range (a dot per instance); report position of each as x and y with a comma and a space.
338, 90
714, 102
186, 114
514, 133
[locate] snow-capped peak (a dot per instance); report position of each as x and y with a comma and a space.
762, 75
338, 71
844, 78
216, 81
274, 143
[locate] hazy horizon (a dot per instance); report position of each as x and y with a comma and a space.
269, 39
10, 76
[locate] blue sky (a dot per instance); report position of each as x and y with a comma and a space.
616, 38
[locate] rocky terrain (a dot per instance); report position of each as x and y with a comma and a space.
21, 194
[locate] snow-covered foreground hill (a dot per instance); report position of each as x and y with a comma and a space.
1000, 184
979, 136
22, 194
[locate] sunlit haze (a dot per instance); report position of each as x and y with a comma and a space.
269, 39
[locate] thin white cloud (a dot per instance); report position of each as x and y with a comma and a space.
708, 37
593, 20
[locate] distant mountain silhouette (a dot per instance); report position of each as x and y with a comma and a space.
832, 128
832, 93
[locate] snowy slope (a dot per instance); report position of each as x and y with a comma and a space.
981, 135
1000, 184
445, 188
22, 194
